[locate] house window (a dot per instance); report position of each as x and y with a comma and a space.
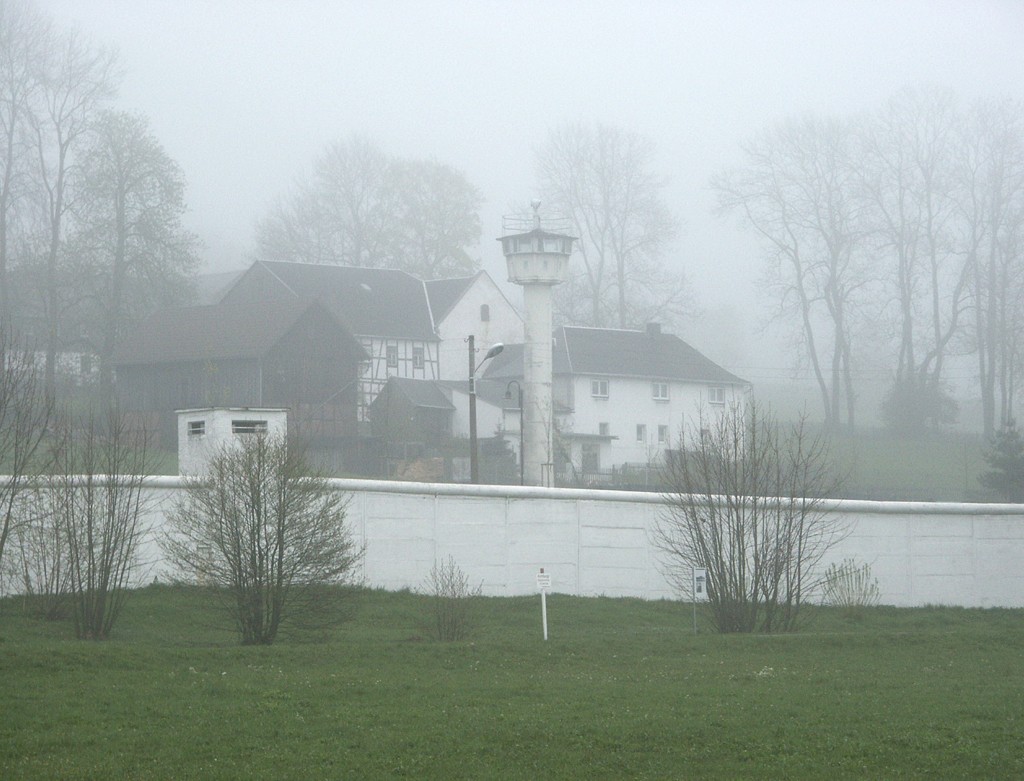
659, 391
485, 313
716, 395
248, 427
641, 432
417, 357
662, 435
599, 389
197, 428
392, 353
590, 458
602, 429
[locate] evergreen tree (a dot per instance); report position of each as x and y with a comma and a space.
1005, 459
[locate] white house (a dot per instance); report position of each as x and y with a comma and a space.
470, 305
626, 397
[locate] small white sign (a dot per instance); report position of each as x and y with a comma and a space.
700, 584
544, 581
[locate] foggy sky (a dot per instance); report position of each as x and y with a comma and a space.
243, 94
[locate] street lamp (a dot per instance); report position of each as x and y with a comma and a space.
474, 469
508, 395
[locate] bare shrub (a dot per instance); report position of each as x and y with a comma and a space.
266, 533
37, 559
850, 586
452, 600
746, 502
25, 415
96, 501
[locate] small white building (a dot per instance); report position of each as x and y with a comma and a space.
204, 432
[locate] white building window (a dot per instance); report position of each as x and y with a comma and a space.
485, 313
659, 391
602, 429
248, 427
641, 432
662, 435
716, 395
197, 428
599, 389
417, 357
392, 353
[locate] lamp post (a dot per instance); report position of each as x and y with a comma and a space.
474, 469
508, 395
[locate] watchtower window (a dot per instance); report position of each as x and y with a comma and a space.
248, 427
197, 428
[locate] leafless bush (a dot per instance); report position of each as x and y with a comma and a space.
25, 415
37, 559
850, 586
96, 501
746, 503
452, 599
264, 532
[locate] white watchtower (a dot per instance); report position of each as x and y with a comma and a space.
538, 259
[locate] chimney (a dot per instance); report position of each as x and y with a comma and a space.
654, 329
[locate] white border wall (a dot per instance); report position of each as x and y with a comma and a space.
598, 542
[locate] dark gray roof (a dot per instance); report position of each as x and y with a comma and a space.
421, 393
370, 301
611, 352
210, 288
218, 331
445, 293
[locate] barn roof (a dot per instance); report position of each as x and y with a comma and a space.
218, 332
370, 301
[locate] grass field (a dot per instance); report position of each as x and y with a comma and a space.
623, 689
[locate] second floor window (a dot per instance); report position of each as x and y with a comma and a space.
485, 313
602, 429
392, 356
659, 391
716, 395
417, 357
599, 389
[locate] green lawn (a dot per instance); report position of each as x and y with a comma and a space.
623, 689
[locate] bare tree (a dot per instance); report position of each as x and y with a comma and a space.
363, 208
132, 252
797, 192
907, 176
603, 179
23, 36
746, 502
96, 496
25, 415
991, 202
266, 532
76, 79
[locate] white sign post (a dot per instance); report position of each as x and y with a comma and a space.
544, 584
700, 591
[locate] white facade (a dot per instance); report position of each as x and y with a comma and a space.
482, 311
631, 420
203, 432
